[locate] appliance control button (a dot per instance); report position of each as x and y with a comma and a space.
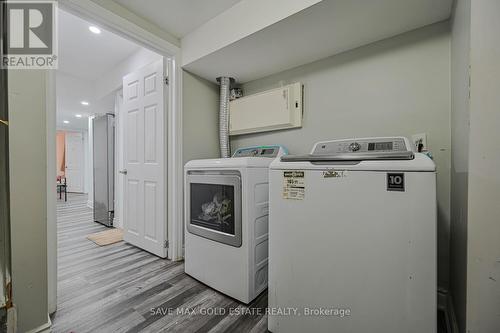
354, 146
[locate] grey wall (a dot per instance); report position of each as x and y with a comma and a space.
199, 118
28, 196
483, 228
399, 86
50, 115
460, 60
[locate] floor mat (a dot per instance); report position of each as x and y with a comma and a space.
107, 237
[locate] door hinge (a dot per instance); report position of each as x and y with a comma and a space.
166, 80
165, 244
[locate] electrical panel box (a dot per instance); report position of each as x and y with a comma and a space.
275, 109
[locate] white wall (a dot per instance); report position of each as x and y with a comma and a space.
100, 94
71, 90
51, 198
483, 285
112, 80
460, 60
399, 86
106, 104
200, 109
28, 196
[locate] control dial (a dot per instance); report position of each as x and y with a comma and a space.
354, 146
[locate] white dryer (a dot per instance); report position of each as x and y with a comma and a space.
226, 221
352, 237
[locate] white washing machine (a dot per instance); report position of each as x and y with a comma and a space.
352, 237
226, 221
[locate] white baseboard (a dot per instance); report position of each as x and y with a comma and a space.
45, 328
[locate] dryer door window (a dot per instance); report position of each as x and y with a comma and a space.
214, 207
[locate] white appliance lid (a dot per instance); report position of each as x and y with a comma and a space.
247, 157
232, 162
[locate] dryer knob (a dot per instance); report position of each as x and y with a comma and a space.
354, 146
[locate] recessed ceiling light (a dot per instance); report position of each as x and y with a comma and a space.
95, 29
78, 115
84, 103
66, 122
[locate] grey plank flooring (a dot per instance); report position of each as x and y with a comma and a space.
115, 288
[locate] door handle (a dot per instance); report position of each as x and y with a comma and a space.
124, 172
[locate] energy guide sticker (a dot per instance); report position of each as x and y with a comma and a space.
293, 185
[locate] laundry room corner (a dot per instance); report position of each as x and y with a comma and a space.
249, 166
398, 86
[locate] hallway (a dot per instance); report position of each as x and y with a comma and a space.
120, 288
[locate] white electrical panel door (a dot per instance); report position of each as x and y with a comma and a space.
270, 110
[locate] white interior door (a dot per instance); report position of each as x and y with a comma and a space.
74, 161
145, 202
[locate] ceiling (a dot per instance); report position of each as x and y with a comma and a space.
83, 58
71, 91
88, 55
178, 17
322, 30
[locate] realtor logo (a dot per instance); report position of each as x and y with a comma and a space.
31, 35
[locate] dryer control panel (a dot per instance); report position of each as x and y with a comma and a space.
364, 145
261, 151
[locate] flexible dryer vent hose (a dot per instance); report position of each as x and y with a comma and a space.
225, 85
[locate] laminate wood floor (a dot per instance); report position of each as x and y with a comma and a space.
120, 288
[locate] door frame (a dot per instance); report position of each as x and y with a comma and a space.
91, 11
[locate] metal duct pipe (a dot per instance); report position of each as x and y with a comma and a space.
225, 85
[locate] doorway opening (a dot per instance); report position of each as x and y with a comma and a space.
100, 133
116, 167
